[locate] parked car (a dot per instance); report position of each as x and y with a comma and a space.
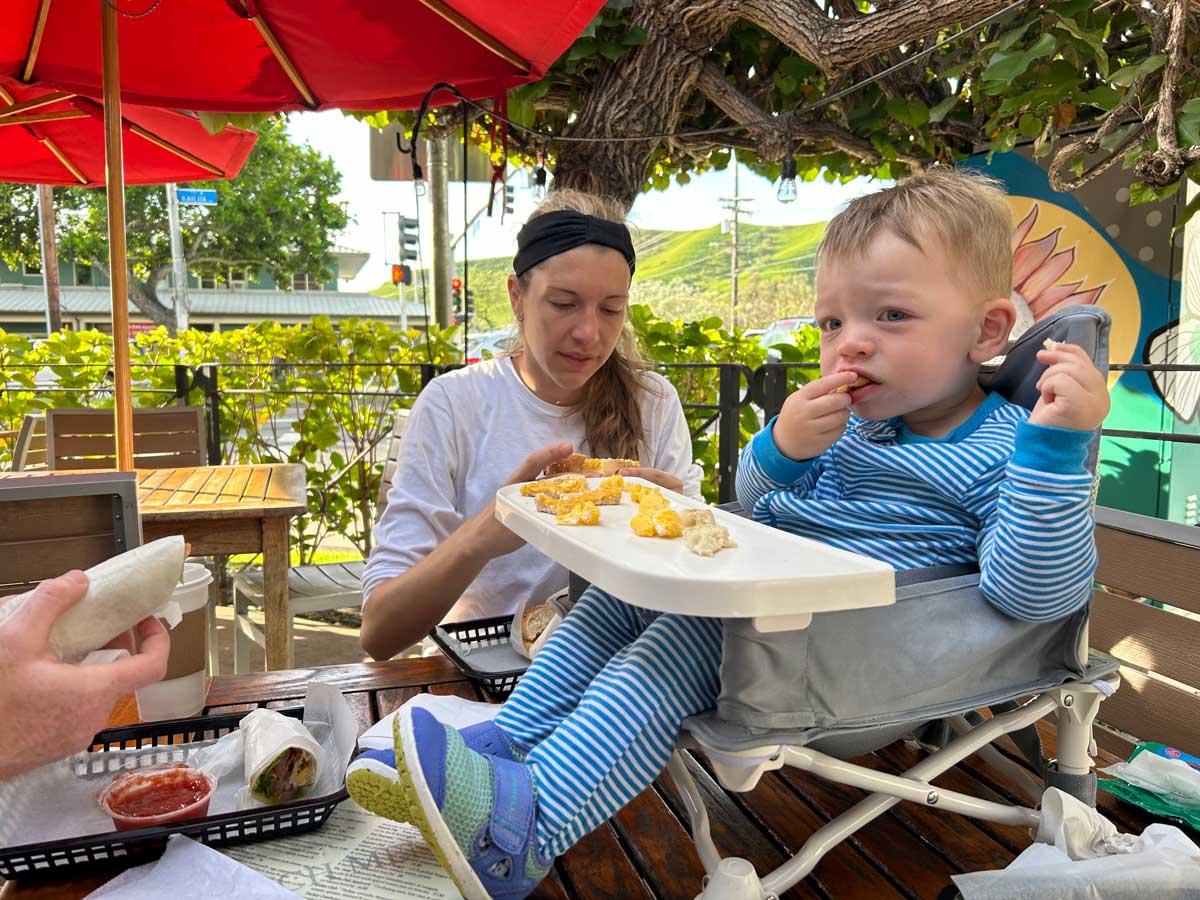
491, 343
783, 331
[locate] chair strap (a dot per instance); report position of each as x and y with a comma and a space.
906, 577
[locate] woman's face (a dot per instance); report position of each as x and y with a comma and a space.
571, 315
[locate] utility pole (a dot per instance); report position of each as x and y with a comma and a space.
178, 267
734, 204
45, 196
439, 190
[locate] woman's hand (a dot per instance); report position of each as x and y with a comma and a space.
656, 476
492, 537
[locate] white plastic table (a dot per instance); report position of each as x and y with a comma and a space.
774, 577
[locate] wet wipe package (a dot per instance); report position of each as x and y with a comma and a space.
1160, 779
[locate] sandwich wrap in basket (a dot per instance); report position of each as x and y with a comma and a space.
281, 757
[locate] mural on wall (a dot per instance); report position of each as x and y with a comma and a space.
1178, 343
1091, 246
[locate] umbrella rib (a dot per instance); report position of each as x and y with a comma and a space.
35, 42
65, 160
469, 28
35, 118
284, 60
36, 103
171, 148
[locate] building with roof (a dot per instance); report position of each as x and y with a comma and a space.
218, 304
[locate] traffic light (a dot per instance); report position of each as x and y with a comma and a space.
408, 239
470, 307
401, 274
456, 291
510, 194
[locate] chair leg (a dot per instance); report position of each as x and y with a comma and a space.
697, 813
241, 641
1072, 771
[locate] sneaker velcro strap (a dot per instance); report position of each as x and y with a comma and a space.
513, 809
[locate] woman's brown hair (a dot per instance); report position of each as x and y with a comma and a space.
612, 416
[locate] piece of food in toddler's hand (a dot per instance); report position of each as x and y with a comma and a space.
860, 381
1049, 344
555, 487
707, 540
534, 621
584, 513
281, 757
690, 517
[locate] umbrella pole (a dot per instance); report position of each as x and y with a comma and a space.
115, 190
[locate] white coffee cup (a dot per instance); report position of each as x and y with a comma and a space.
182, 690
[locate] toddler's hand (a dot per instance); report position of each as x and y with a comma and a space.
1074, 393
814, 417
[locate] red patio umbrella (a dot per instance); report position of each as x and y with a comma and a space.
46, 139
270, 55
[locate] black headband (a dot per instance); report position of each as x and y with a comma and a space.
557, 232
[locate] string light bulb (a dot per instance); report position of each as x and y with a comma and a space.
539, 180
787, 180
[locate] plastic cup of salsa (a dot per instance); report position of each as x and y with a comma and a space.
159, 795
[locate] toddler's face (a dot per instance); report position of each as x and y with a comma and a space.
896, 316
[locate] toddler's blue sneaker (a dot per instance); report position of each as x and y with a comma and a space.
476, 812
372, 781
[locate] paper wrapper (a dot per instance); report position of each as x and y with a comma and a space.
516, 634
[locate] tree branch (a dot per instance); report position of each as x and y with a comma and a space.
1167, 163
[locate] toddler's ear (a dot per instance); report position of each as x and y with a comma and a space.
996, 319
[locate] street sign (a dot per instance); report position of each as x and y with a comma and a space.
197, 197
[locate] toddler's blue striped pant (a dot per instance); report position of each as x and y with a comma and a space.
600, 707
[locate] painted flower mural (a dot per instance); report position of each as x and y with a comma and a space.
1179, 344
1042, 279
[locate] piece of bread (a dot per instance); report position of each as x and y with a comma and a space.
584, 513
690, 517
860, 381
578, 463
555, 487
707, 540
534, 621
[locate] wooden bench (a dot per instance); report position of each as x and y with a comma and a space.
1147, 615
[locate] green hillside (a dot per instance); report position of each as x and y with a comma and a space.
685, 274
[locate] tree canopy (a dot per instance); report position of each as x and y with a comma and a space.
278, 215
1090, 83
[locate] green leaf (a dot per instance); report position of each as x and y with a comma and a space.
910, 112
1127, 75
1029, 126
1102, 97
1093, 40
1185, 215
1004, 67
938, 112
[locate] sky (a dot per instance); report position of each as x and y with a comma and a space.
680, 207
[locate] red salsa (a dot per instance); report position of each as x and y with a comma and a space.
157, 796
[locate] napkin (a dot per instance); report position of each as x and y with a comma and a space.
189, 870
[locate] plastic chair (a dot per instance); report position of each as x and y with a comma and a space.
862, 679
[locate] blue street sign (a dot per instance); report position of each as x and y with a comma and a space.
197, 197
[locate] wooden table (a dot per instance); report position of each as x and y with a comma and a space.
222, 510
645, 851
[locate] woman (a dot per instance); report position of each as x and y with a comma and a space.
573, 381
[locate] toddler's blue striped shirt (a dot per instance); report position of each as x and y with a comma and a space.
1015, 496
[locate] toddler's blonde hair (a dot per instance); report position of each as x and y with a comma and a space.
962, 210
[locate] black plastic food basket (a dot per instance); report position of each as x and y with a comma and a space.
480, 633
242, 826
